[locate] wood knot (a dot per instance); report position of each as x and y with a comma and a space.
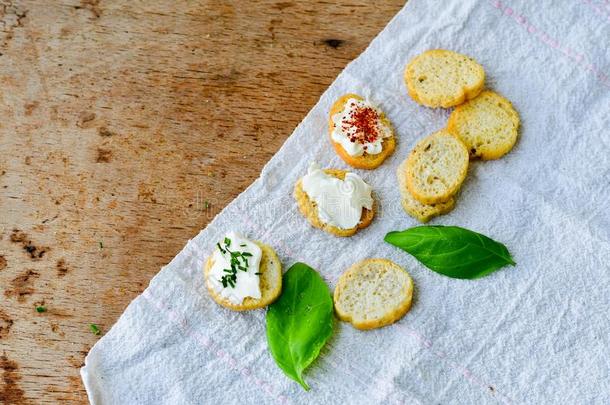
333, 43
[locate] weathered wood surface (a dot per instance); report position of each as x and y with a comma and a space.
125, 126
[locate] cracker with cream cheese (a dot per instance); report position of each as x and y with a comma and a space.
309, 209
270, 282
371, 119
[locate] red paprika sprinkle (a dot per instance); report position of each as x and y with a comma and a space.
361, 125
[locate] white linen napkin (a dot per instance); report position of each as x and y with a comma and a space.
536, 333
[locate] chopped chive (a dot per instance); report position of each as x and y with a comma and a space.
206, 205
238, 261
101, 245
94, 329
259, 273
41, 308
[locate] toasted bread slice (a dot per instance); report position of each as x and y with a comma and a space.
442, 78
436, 168
270, 282
366, 161
422, 212
309, 209
487, 124
373, 293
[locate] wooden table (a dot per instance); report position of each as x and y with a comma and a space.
125, 126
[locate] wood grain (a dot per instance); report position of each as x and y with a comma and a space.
125, 126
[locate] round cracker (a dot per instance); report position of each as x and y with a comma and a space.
270, 282
308, 208
373, 293
436, 167
366, 161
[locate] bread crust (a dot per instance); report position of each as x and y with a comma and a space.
431, 210
413, 163
308, 208
270, 282
449, 100
366, 161
493, 147
392, 315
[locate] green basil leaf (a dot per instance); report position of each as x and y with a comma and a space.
452, 251
300, 322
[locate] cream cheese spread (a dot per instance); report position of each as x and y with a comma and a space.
339, 202
359, 129
235, 270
